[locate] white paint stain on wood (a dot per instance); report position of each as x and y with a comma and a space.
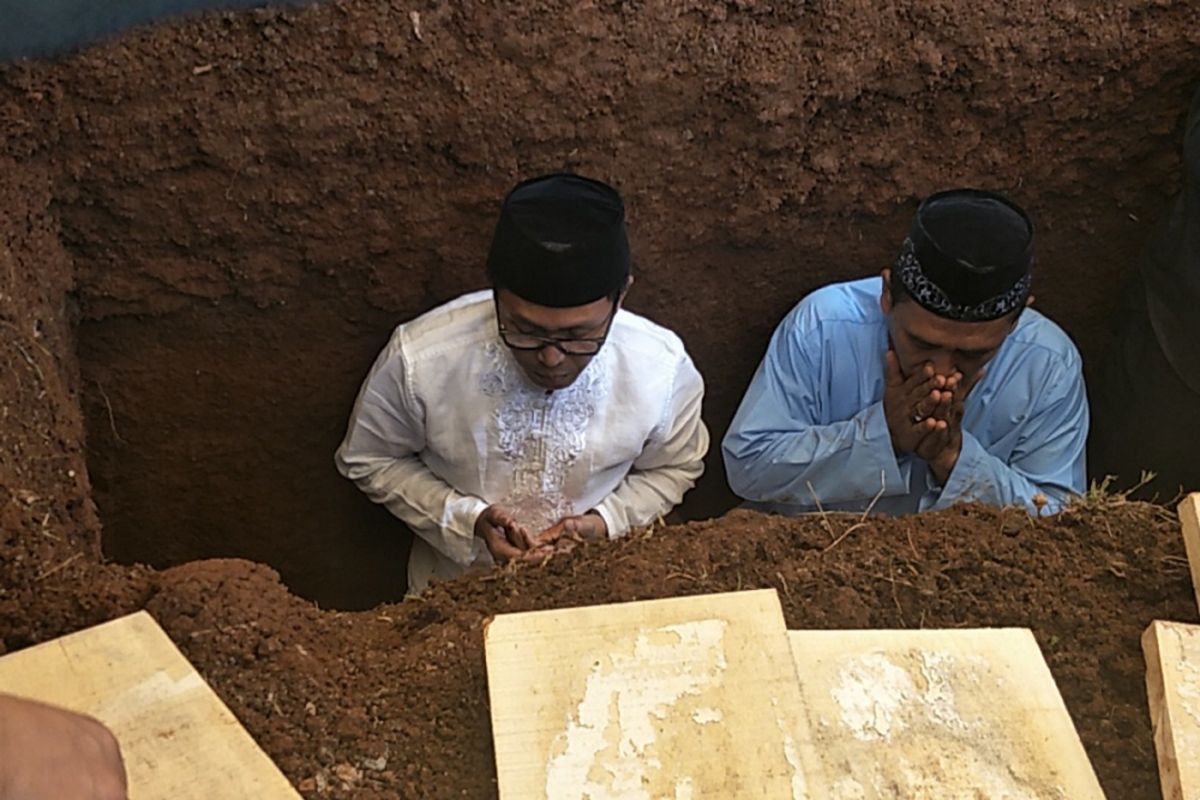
791, 753
607, 748
659, 700
1172, 651
877, 696
1187, 689
953, 714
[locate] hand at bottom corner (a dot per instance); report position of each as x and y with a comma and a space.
49, 753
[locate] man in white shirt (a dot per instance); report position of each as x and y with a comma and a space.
507, 419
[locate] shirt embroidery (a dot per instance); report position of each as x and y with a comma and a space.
541, 434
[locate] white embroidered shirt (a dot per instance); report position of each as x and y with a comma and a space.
447, 424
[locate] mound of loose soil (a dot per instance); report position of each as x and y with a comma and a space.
392, 703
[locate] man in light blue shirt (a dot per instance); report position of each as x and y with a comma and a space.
932, 386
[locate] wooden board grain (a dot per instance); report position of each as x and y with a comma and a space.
678, 699
178, 739
1172, 652
938, 714
1189, 519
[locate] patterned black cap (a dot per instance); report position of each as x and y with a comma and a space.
968, 256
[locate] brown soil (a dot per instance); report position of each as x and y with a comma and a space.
253, 200
226, 249
393, 702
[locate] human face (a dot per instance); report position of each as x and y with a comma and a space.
549, 367
919, 336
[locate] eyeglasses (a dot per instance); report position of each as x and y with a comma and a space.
516, 340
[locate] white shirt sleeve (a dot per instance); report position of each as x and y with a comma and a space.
381, 455
670, 462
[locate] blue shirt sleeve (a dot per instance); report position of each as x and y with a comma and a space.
1049, 461
781, 449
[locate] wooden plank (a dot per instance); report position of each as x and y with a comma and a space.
1189, 518
1172, 652
677, 699
177, 737
938, 713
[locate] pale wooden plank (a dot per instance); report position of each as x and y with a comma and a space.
938, 714
178, 739
1189, 518
1172, 652
677, 699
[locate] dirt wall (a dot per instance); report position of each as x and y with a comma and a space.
253, 200
43, 475
49, 531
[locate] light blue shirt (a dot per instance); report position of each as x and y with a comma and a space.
811, 428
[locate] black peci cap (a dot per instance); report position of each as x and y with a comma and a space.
560, 241
968, 256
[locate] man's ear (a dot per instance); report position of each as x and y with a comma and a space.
885, 296
1029, 301
625, 291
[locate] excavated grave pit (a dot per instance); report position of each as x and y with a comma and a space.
209, 229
